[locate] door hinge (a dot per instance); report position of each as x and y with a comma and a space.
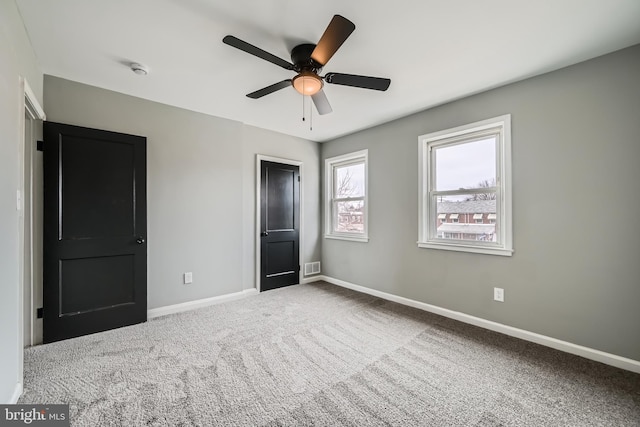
298, 178
40, 145
39, 313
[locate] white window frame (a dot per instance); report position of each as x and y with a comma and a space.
427, 205
330, 166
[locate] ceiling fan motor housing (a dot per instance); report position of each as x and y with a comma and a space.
301, 58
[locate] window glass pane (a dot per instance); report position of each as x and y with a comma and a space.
467, 165
346, 196
349, 181
349, 217
455, 218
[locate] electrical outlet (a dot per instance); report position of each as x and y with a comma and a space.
498, 294
188, 278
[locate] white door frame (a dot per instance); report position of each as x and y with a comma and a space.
30, 110
259, 159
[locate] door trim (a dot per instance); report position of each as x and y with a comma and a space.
30, 106
259, 159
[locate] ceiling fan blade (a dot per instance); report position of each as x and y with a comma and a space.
365, 82
256, 51
321, 102
269, 89
339, 29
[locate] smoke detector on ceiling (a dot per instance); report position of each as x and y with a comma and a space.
139, 69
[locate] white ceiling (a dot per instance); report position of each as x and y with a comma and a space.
433, 51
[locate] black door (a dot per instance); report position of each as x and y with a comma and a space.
280, 225
95, 224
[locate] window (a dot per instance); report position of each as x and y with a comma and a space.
465, 173
346, 197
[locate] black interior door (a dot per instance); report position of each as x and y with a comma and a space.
280, 225
95, 255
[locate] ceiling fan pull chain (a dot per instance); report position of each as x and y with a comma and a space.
310, 117
303, 111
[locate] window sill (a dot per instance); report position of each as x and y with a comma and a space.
362, 239
466, 248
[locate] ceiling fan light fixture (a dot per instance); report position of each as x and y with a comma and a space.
307, 83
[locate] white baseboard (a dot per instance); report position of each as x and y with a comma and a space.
205, 302
312, 279
586, 352
17, 392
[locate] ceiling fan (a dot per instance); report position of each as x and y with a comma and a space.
307, 61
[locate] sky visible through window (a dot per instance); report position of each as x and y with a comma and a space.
465, 165
350, 181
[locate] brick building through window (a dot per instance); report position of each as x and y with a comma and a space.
467, 220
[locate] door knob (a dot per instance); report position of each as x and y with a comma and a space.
264, 234
140, 240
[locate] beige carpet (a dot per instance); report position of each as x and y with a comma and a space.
322, 355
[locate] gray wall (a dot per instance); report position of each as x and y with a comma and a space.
16, 59
200, 187
575, 274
